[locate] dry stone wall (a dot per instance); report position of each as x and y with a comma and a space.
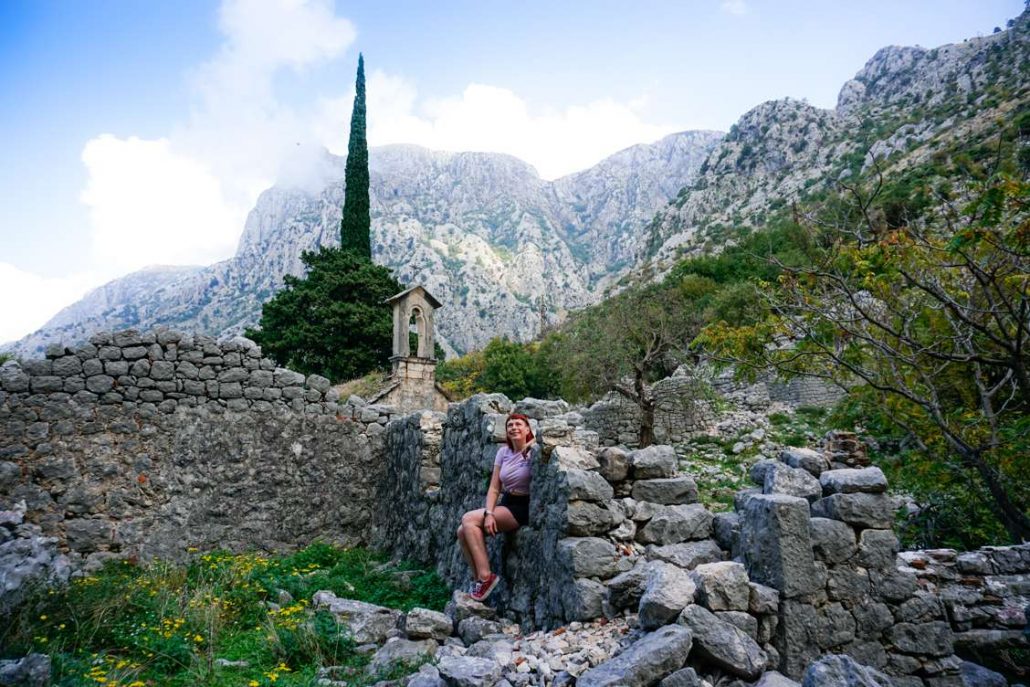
147, 444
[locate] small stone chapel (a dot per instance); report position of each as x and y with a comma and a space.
412, 384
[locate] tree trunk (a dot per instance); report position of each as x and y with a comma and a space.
1015, 521
647, 404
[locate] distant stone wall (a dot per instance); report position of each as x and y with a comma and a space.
768, 389
684, 409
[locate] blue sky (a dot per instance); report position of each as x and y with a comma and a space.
140, 133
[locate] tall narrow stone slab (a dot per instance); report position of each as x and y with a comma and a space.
776, 544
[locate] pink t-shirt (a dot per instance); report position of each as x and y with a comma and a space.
514, 469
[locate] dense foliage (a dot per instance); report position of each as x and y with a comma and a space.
925, 313
333, 321
503, 366
355, 227
163, 624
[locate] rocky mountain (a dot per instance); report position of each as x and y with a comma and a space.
903, 107
502, 248
508, 252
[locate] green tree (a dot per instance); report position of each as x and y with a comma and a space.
356, 225
333, 321
624, 345
933, 317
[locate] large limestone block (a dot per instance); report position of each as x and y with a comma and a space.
644, 662
843, 671
775, 679
724, 645
590, 557
877, 549
666, 490
928, 639
852, 481
587, 485
833, 540
783, 479
654, 462
469, 671
686, 555
805, 458
685, 677
776, 545
584, 599
587, 519
861, 510
423, 623
400, 651
625, 589
614, 464
574, 458
674, 524
667, 591
722, 586
367, 623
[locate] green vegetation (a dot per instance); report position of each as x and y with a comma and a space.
503, 366
333, 321
356, 224
131, 625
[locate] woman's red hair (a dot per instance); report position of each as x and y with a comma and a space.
517, 416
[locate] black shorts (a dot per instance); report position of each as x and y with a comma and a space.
518, 505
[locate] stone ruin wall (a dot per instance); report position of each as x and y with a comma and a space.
806, 565
144, 445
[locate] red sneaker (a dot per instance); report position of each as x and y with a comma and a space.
482, 589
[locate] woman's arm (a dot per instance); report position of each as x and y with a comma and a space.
493, 493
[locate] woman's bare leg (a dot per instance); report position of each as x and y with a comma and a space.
472, 536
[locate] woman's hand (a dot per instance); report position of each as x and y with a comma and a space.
490, 524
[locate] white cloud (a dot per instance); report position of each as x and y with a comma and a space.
149, 205
736, 7
183, 199
492, 119
31, 300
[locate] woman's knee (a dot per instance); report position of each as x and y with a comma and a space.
471, 519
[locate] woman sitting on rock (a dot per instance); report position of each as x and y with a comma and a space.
510, 482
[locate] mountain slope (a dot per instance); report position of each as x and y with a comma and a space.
481, 231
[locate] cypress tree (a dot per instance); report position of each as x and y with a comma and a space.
355, 227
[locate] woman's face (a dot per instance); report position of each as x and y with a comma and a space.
516, 429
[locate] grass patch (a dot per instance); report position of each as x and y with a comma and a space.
134, 625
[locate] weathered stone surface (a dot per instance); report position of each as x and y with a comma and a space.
422, 623
686, 555
722, 586
745, 622
843, 671
587, 485
861, 510
877, 549
783, 479
31, 671
474, 628
586, 519
776, 545
726, 527
775, 679
584, 599
589, 556
975, 675
760, 469
722, 644
895, 585
685, 677
469, 671
400, 651
928, 639
366, 622
614, 464
653, 462
674, 524
625, 589
871, 619
644, 662
762, 599
836, 626
833, 541
805, 458
667, 490
849, 481
667, 591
